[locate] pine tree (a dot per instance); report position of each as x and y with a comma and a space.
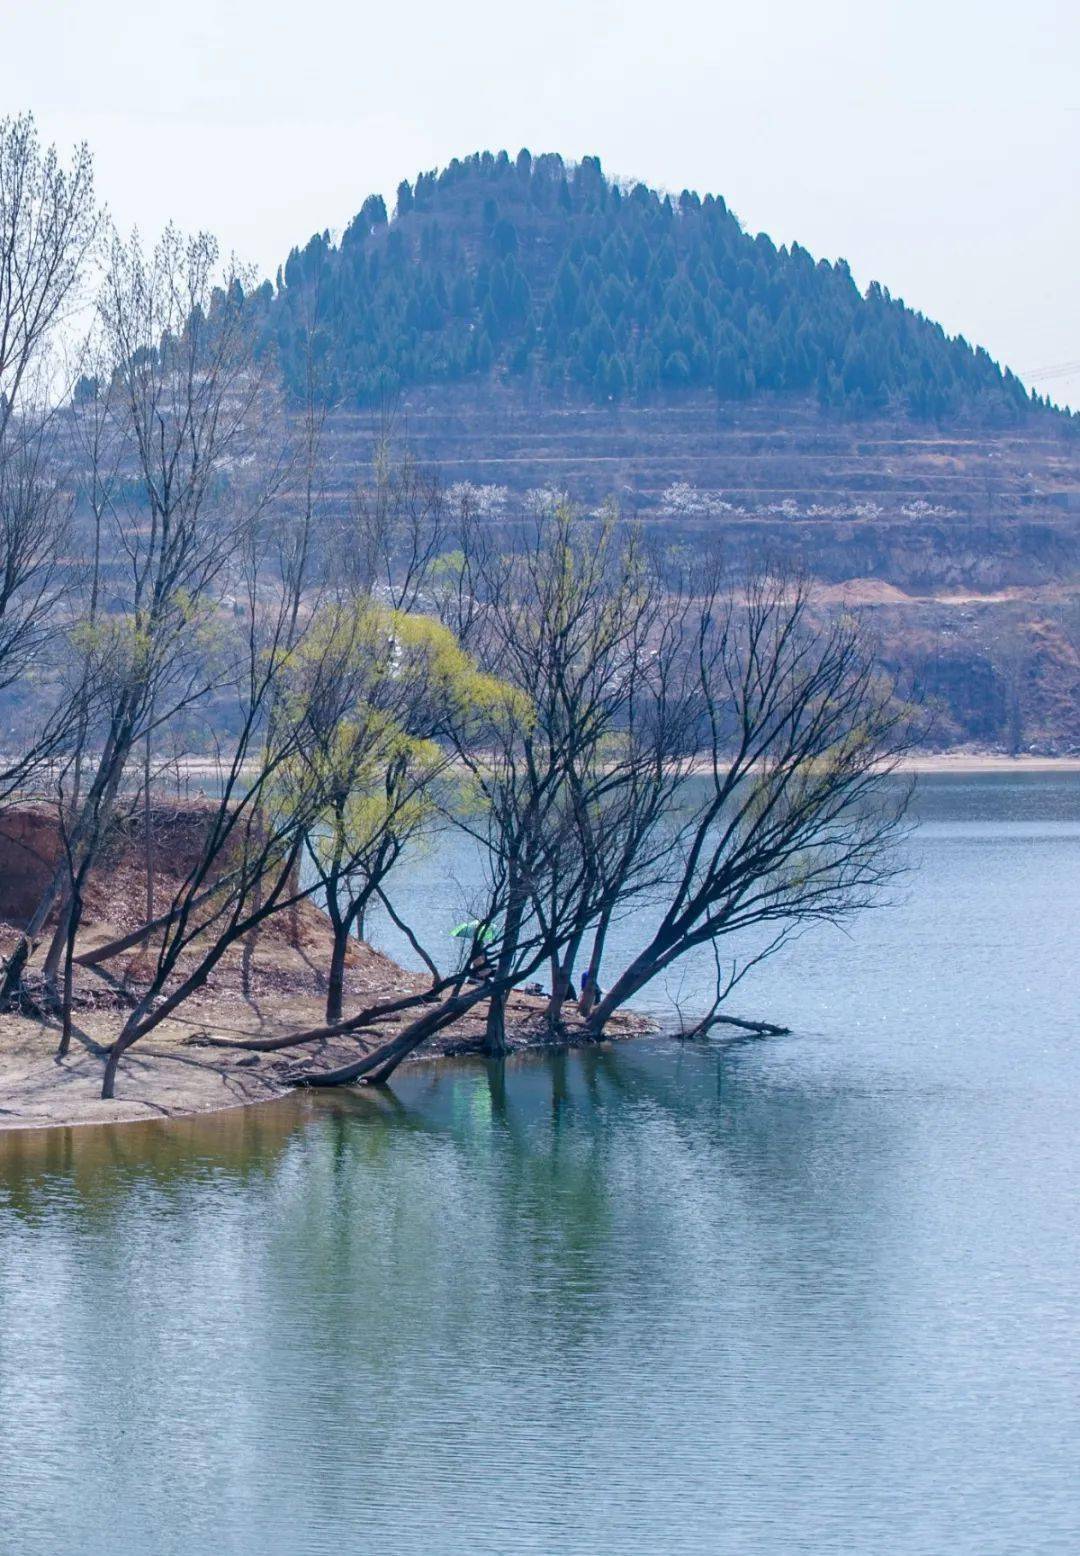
616, 378
485, 352
373, 213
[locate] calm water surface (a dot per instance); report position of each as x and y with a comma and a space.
806, 1295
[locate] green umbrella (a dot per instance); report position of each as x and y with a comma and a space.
473, 927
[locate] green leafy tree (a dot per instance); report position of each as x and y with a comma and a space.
370, 688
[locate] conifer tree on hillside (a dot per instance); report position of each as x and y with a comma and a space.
535, 268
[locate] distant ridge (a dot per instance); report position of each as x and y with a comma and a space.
544, 272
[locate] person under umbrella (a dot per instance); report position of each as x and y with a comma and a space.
482, 936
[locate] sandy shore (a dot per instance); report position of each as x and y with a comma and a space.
961, 759
988, 762
162, 1079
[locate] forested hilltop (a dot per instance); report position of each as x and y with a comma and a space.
551, 273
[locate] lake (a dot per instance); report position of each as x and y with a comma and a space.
809, 1294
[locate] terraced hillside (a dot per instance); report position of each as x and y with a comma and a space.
964, 542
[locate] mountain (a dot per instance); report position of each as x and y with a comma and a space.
558, 277
522, 325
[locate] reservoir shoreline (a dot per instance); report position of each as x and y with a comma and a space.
177, 1073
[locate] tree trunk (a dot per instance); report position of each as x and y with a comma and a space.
336, 981
247, 955
108, 1084
562, 989
128, 1035
16, 963
589, 983
495, 1031
755, 1028
74, 915
105, 953
148, 832
625, 987
377, 1066
59, 943
399, 923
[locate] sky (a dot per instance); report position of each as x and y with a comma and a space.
934, 144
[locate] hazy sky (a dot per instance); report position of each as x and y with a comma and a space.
934, 144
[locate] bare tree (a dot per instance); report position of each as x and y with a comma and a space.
326, 759
621, 736
725, 979
185, 391
303, 429
244, 867
34, 513
568, 627
48, 223
397, 528
800, 739
566, 617
789, 817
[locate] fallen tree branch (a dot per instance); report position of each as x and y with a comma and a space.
758, 1028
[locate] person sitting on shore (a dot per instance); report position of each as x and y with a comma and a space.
480, 967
